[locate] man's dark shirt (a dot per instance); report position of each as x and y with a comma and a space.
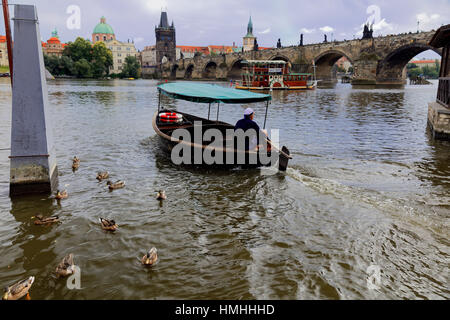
246, 124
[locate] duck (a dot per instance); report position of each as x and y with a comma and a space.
66, 266
117, 185
18, 290
161, 195
41, 220
61, 195
150, 258
102, 175
108, 225
76, 163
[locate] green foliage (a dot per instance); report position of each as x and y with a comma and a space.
83, 69
82, 60
351, 70
80, 49
102, 60
131, 68
429, 72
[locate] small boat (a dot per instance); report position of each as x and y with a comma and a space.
219, 143
273, 75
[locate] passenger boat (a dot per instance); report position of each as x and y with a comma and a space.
167, 122
273, 75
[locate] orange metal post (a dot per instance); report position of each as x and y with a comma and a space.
9, 42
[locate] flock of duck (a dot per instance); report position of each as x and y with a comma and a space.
67, 267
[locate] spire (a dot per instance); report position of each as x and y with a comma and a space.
164, 22
250, 26
103, 20
55, 33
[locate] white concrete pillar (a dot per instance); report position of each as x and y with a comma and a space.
33, 162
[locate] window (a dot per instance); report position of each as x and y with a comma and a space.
104, 38
97, 38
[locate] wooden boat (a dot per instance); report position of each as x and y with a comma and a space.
273, 75
166, 122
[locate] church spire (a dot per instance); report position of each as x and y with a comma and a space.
250, 28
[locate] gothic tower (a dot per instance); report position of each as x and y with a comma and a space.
166, 45
249, 39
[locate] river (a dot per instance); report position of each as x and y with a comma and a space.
366, 197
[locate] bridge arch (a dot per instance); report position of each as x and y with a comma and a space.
189, 71
280, 57
210, 70
392, 67
173, 71
325, 63
235, 71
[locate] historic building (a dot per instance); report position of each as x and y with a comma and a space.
53, 46
103, 32
425, 63
3, 52
249, 39
166, 45
120, 50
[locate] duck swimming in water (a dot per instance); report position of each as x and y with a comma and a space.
108, 225
102, 176
150, 258
61, 195
117, 185
161, 195
66, 267
41, 220
18, 290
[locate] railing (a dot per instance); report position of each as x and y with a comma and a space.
443, 96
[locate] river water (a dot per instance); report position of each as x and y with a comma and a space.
367, 190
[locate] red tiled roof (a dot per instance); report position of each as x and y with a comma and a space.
2, 39
53, 40
423, 61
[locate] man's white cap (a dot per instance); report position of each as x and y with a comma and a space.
248, 112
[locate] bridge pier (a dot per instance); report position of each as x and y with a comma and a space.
33, 162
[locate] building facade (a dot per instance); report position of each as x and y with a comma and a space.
120, 51
166, 45
426, 63
103, 32
3, 52
53, 46
249, 39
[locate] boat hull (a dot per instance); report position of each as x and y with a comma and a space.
276, 88
231, 158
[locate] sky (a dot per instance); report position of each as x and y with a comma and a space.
222, 22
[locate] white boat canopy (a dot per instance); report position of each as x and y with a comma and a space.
264, 62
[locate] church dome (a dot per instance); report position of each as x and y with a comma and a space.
103, 27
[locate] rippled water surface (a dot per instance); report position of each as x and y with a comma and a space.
367, 186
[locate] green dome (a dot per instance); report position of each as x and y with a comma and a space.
103, 27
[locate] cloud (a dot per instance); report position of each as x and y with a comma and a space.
155, 5
265, 31
307, 31
327, 29
429, 21
138, 39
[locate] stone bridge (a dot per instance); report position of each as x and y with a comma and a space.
380, 60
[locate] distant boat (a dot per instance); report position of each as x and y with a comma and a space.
273, 75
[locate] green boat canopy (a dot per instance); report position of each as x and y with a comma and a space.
210, 93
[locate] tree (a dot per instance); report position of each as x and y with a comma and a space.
131, 68
80, 49
83, 69
102, 60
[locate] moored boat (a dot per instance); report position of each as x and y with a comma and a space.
198, 140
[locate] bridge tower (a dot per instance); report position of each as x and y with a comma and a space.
166, 45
